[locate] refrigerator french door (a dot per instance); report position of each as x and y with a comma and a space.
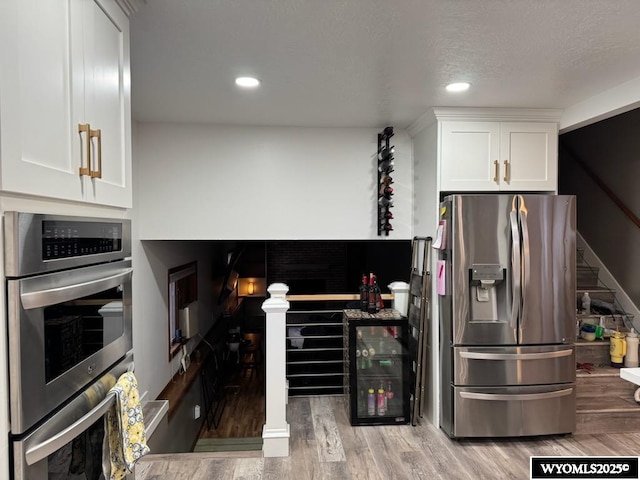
506, 285
377, 367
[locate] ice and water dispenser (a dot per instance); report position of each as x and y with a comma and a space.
487, 292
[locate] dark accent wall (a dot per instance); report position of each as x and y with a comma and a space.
611, 149
334, 266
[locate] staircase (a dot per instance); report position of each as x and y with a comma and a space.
604, 401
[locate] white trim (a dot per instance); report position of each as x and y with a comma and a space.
498, 114
275, 441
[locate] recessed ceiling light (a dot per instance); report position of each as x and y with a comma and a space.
247, 82
458, 87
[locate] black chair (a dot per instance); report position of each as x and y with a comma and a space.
213, 393
251, 353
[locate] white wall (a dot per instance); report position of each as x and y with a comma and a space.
151, 262
224, 182
425, 207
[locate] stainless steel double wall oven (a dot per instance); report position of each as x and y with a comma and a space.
68, 283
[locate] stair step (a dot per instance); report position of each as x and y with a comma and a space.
596, 352
602, 383
605, 403
580, 256
600, 293
586, 276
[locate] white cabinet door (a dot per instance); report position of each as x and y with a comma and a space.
107, 101
65, 64
529, 156
39, 88
498, 156
468, 155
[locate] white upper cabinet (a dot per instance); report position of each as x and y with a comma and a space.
65, 115
492, 155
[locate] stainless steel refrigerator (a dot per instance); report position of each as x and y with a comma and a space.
506, 283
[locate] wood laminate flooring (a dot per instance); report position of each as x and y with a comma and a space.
244, 411
323, 445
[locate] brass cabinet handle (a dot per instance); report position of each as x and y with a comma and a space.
97, 134
84, 128
506, 171
497, 166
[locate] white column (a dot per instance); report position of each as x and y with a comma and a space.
400, 292
275, 433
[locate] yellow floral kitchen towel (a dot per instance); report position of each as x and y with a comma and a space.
126, 440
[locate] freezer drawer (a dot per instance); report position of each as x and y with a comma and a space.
513, 411
486, 366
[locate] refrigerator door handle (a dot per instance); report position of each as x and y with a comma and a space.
515, 396
516, 356
515, 266
526, 258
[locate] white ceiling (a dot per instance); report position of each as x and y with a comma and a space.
370, 63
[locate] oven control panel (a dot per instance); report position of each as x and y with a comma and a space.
66, 239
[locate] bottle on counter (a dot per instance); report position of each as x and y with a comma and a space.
371, 402
586, 303
377, 293
364, 294
372, 308
631, 356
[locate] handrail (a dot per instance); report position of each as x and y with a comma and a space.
614, 198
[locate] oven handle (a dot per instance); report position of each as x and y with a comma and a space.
60, 439
44, 298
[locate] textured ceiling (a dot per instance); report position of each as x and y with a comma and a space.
369, 63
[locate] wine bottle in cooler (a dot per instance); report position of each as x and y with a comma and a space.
389, 395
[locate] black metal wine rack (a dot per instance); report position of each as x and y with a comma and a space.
385, 190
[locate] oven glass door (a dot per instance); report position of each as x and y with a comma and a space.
68, 445
65, 329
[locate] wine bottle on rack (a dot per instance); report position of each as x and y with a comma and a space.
364, 294
386, 179
385, 202
386, 166
387, 132
385, 191
386, 153
387, 227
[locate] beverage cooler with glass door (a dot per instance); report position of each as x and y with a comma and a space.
376, 367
